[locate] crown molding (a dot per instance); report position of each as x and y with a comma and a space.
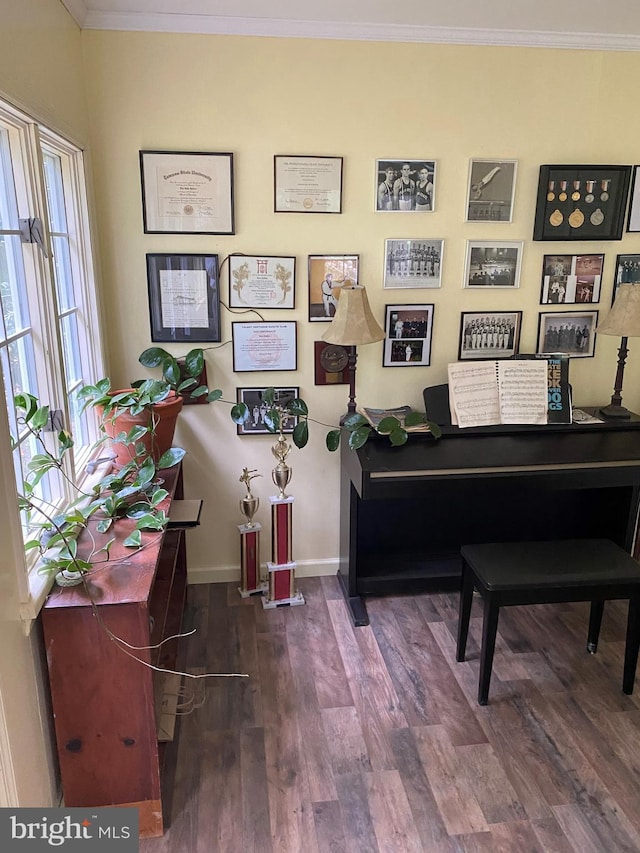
77, 10
237, 26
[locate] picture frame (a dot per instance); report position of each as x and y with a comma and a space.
253, 398
187, 192
489, 335
408, 334
405, 186
184, 297
581, 202
261, 345
415, 263
633, 221
327, 274
491, 190
307, 184
578, 339
627, 272
262, 281
493, 264
571, 279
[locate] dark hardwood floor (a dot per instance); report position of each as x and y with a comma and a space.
371, 739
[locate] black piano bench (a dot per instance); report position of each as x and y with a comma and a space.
510, 573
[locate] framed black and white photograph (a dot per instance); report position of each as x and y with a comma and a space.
633, 222
405, 185
408, 332
261, 281
413, 263
491, 189
254, 400
627, 272
493, 263
489, 334
581, 202
571, 332
184, 298
187, 192
327, 274
570, 279
307, 184
264, 346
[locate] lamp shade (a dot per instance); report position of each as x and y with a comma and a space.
624, 318
354, 324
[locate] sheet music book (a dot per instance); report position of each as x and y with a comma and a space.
507, 391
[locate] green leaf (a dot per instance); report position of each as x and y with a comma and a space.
239, 413
148, 471
398, 436
301, 434
194, 362
171, 457
272, 420
354, 421
436, 432
200, 391
104, 524
387, 425
27, 402
133, 541
149, 522
269, 396
214, 395
153, 357
359, 437
414, 418
158, 496
31, 544
297, 407
171, 371
333, 439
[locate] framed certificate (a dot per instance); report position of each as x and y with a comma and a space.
264, 346
307, 184
261, 281
184, 297
187, 193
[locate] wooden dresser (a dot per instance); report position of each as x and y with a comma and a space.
103, 699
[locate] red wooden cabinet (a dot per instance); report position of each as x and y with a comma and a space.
102, 696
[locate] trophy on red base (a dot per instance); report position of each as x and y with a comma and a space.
250, 581
282, 568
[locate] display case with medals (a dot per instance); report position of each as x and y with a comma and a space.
581, 202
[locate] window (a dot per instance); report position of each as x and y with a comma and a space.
49, 325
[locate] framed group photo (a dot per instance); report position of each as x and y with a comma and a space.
405, 185
184, 298
264, 346
413, 263
489, 334
493, 263
571, 279
491, 190
261, 281
307, 184
627, 272
408, 333
187, 192
327, 274
571, 332
254, 399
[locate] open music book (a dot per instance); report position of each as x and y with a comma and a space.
507, 391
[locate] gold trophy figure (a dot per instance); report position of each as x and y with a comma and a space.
281, 474
249, 504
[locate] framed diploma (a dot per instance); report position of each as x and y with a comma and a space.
307, 184
264, 346
261, 281
581, 202
187, 193
184, 298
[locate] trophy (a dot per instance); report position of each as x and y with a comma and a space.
281, 474
250, 581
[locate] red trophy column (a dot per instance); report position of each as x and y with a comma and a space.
250, 582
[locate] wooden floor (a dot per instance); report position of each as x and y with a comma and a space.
370, 739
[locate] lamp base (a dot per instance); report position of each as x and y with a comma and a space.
615, 412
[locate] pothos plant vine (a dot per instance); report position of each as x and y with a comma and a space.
133, 492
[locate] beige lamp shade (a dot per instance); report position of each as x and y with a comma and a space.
624, 318
354, 324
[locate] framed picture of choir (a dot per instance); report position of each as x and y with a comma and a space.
413, 263
489, 334
571, 332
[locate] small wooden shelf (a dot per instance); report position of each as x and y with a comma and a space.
102, 697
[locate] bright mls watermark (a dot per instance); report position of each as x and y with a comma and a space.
109, 830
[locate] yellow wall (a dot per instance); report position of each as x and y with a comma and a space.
363, 101
40, 70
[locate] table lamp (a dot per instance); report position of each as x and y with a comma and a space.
353, 324
622, 320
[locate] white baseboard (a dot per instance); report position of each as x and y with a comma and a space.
231, 574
